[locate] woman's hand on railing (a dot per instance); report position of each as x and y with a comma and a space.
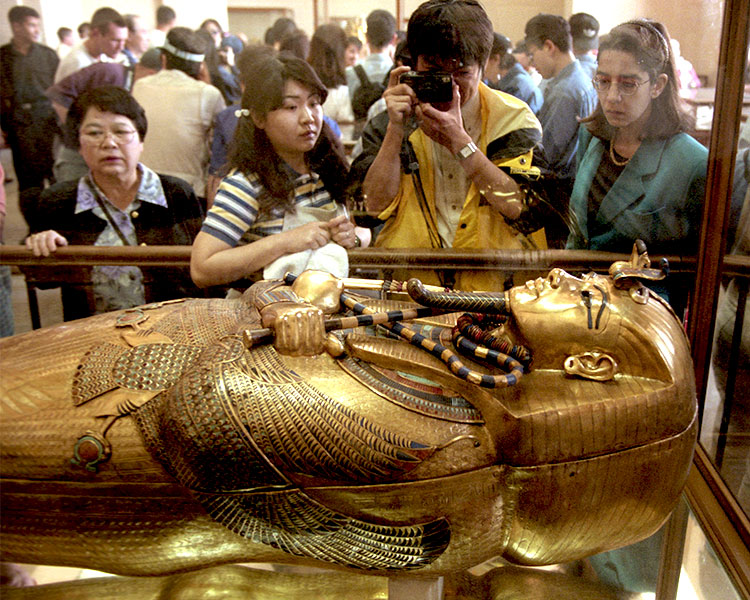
45, 242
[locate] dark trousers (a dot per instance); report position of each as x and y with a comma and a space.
31, 143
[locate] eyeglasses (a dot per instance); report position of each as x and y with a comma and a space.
627, 86
97, 136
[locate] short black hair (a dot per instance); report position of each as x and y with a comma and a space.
83, 29
102, 18
18, 14
545, 27
381, 26
190, 41
353, 40
107, 98
501, 44
165, 15
151, 59
295, 43
63, 31
280, 27
457, 30
585, 31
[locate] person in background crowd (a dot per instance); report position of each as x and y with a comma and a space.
440, 177
285, 174
281, 27
381, 40
67, 41
120, 202
686, 73
64, 92
401, 58
231, 47
295, 43
27, 119
83, 30
214, 29
165, 20
584, 28
6, 290
568, 96
504, 73
521, 54
640, 175
181, 110
226, 121
222, 79
105, 43
138, 39
326, 56
352, 51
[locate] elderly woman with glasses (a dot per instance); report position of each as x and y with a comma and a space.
639, 175
120, 202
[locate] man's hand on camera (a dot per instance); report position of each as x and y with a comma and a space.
446, 127
399, 98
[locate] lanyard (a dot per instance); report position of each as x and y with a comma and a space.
107, 214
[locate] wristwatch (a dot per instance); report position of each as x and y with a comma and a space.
466, 151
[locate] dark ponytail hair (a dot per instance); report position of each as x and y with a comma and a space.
251, 151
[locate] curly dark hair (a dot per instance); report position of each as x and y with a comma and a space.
251, 151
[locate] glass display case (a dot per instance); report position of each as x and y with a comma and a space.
703, 551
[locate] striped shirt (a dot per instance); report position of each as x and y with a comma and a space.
233, 218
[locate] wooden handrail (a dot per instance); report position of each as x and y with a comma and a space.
400, 258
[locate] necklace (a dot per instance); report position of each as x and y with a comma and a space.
612, 155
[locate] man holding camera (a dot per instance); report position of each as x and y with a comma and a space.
439, 173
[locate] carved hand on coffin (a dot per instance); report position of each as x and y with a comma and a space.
591, 365
299, 329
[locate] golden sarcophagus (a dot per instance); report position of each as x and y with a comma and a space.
543, 424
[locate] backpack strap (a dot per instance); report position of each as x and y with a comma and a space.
362, 74
129, 76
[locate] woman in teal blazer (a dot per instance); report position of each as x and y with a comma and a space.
639, 174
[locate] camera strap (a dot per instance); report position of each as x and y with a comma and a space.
410, 165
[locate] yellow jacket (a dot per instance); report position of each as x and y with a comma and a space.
509, 131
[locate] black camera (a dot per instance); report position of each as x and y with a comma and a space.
434, 87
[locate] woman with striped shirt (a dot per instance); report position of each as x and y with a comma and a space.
284, 162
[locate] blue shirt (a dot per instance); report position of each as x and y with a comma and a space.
517, 82
589, 63
569, 95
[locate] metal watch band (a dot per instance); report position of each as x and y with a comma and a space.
467, 151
